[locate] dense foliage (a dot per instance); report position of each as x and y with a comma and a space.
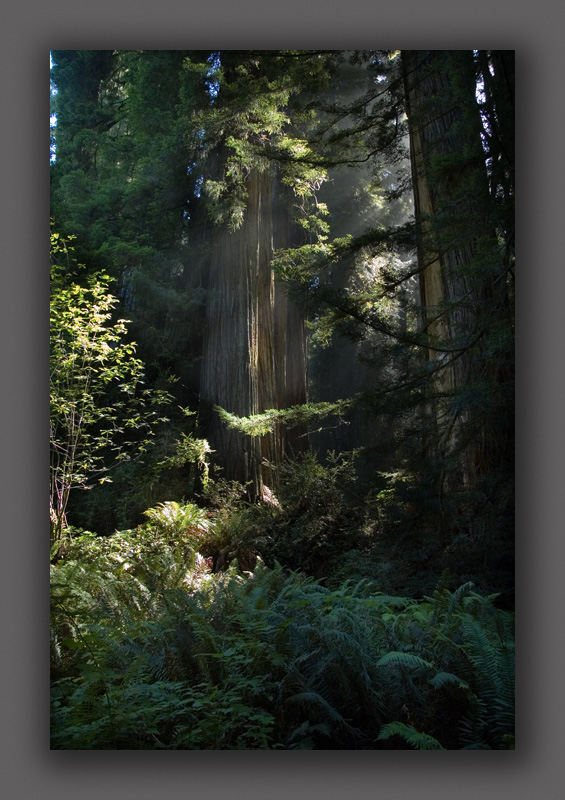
282, 371
96, 385
152, 651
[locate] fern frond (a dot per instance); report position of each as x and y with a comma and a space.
418, 740
316, 704
404, 660
447, 678
458, 595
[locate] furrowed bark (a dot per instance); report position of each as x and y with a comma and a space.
254, 344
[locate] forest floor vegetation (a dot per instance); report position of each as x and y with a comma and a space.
270, 627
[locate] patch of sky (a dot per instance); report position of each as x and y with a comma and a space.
213, 86
52, 117
481, 98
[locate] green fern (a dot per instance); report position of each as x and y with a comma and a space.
416, 739
173, 519
148, 652
403, 659
441, 679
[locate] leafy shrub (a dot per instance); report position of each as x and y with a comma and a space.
224, 496
94, 376
321, 517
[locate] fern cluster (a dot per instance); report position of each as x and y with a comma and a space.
152, 651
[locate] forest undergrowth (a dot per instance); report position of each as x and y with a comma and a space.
278, 625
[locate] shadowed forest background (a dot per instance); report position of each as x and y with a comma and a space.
282, 399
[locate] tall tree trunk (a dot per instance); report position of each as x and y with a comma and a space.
254, 345
463, 283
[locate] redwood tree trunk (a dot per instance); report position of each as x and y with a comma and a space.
463, 283
254, 345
